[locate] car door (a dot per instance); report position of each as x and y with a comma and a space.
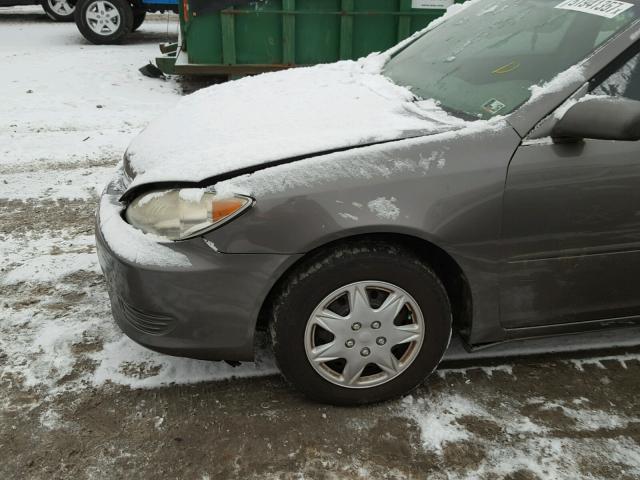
571, 225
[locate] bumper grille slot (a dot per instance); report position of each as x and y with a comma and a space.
145, 322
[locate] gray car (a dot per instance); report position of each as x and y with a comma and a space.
480, 178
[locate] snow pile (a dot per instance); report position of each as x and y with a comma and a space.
571, 76
124, 362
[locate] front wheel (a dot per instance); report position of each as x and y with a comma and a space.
104, 21
360, 324
59, 10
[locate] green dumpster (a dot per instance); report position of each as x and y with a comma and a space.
241, 37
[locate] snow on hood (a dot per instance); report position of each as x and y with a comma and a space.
270, 117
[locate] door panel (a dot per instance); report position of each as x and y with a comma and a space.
571, 232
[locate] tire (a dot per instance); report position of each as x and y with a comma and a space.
59, 10
374, 268
104, 22
138, 19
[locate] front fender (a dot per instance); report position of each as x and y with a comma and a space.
445, 188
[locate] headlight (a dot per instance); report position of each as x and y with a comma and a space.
183, 213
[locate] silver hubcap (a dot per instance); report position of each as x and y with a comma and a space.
61, 7
364, 334
103, 17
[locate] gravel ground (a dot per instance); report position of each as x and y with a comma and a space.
79, 400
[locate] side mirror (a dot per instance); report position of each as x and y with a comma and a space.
600, 118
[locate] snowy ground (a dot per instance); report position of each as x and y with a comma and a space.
78, 399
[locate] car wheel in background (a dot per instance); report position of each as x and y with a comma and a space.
360, 324
59, 10
138, 19
104, 21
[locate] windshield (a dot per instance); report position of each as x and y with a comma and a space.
483, 61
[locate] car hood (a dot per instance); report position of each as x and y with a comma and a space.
245, 125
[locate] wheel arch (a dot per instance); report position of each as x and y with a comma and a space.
443, 264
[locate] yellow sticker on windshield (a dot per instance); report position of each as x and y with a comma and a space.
602, 8
509, 67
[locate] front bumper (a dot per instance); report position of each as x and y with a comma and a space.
205, 306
